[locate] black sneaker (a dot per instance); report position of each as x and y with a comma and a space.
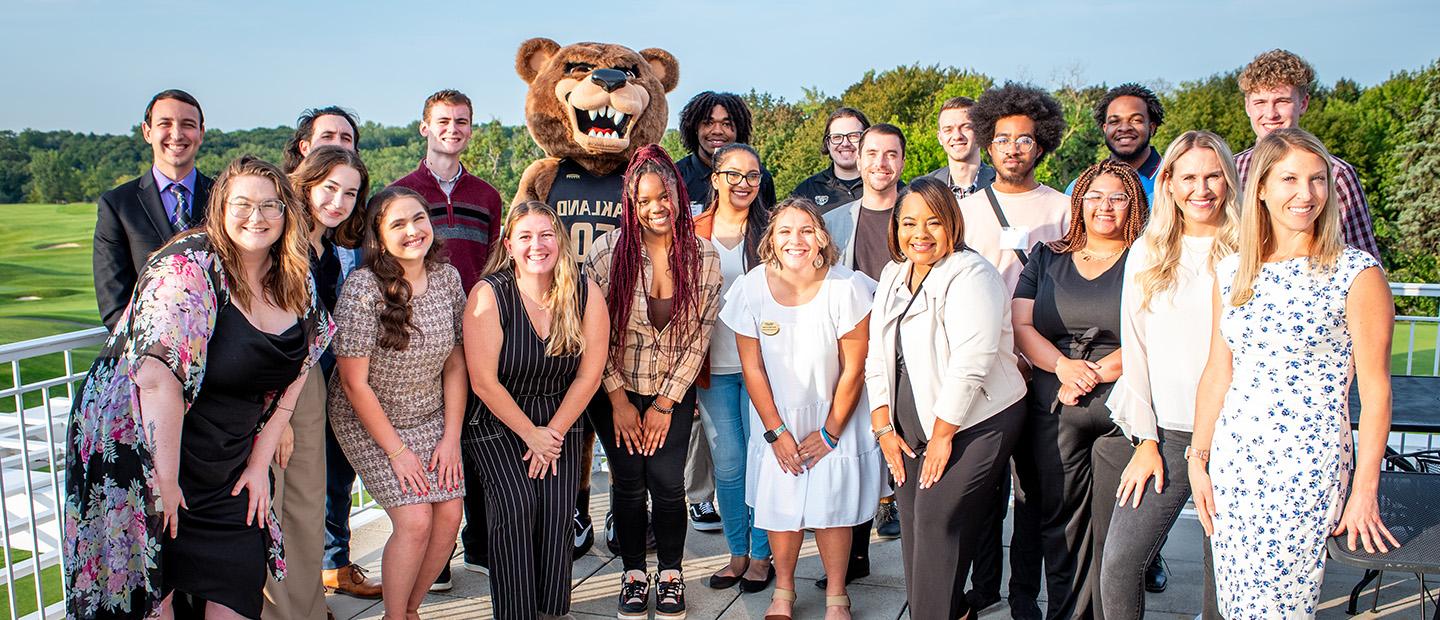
704, 518
443, 583
584, 535
887, 521
634, 602
612, 542
477, 566
669, 599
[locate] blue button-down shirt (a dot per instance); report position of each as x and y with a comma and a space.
168, 198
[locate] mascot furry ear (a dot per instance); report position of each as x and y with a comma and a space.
590, 103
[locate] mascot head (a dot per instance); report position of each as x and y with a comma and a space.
595, 103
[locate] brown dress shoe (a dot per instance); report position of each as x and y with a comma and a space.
351, 581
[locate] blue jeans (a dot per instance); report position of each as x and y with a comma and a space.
725, 406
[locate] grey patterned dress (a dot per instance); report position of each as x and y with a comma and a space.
407, 382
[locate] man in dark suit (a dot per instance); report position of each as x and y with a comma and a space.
138, 217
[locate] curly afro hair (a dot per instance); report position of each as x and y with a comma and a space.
1153, 108
1014, 99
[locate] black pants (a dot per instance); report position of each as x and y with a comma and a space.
473, 535
1070, 464
660, 476
530, 525
1025, 556
1137, 533
943, 524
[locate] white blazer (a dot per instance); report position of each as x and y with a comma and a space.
960, 346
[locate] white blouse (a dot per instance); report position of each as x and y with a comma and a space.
1163, 348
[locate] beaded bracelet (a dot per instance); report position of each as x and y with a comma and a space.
665, 410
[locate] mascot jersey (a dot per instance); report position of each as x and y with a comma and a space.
588, 205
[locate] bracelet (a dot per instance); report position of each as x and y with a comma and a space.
665, 410
391, 456
831, 442
1191, 452
882, 431
285, 409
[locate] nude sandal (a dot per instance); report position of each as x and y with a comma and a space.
788, 596
839, 600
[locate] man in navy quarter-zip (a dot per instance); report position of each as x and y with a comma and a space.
465, 212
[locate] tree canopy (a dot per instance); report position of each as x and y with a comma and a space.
1390, 132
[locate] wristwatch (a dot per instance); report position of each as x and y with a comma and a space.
1191, 452
771, 436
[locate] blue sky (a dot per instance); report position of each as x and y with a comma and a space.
261, 65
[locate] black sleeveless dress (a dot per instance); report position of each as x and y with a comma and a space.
216, 556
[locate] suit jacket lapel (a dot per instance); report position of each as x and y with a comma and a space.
154, 208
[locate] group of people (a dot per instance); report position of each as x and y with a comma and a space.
863, 354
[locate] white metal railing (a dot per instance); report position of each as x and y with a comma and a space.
32, 438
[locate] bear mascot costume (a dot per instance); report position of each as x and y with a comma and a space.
590, 107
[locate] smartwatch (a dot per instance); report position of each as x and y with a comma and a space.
771, 436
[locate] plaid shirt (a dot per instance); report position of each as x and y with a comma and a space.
1354, 211
651, 364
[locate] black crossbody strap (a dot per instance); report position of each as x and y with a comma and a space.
1004, 223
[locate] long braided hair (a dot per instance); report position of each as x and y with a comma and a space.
625, 264
397, 318
1136, 214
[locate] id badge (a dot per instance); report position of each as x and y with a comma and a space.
1014, 238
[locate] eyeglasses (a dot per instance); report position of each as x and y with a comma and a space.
1024, 143
734, 177
1115, 200
836, 138
270, 210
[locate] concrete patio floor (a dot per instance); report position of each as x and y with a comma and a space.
880, 596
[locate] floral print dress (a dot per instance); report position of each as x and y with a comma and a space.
112, 519
1281, 456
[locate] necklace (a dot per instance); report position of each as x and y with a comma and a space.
1088, 256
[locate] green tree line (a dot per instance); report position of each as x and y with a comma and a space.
1390, 132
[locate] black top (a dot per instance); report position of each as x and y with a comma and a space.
589, 206
216, 556
537, 381
1080, 317
326, 270
697, 183
827, 191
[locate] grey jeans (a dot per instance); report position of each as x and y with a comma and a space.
1136, 533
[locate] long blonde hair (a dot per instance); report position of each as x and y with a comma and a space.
1257, 236
567, 336
1162, 237
287, 282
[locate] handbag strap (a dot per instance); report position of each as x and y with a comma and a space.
1004, 223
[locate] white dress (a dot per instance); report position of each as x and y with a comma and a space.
1281, 456
801, 350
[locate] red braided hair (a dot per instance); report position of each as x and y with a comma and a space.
625, 267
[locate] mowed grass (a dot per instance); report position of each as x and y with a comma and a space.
50, 578
45, 283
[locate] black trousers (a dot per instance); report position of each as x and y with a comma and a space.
1070, 464
943, 525
1026, 562
661, 477
473, 536
530, 525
